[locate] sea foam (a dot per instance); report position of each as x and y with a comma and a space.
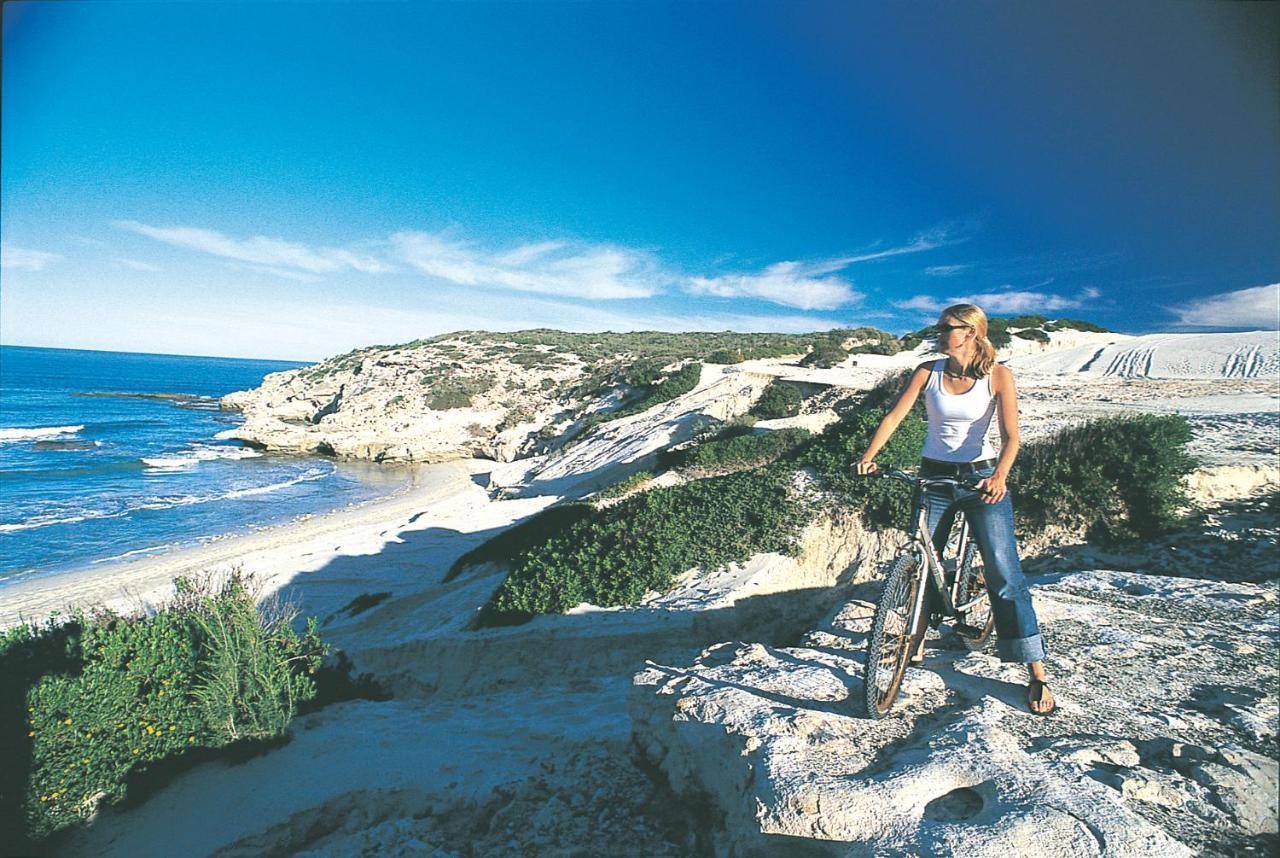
199, 453
36, 433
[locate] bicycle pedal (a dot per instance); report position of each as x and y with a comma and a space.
965, 630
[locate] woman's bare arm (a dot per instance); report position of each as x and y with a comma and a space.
896, 414
1007, 410
993, 488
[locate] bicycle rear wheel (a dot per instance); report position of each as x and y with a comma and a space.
892, 639
973, 589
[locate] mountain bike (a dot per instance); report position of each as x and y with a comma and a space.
904, 613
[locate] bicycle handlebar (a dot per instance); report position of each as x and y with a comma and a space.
912, 479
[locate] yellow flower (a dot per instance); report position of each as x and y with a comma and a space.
191, 738
32, 733
172, 727
67, 722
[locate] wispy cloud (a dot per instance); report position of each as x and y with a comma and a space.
944, 270
566, 269
930, 239
792, 284
25, 259
810, 285
1013, 301
261, 250
558, 267
1255, 307
922, 303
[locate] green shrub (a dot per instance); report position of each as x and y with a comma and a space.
616, 555
824, 356
456, 391
834, 453
1033, 334
1075, 324
998, 332
881, 347
726, 356
644, 372
915, 338
872, 341
779, 399
1118, 478
677, 384
735, 452
104, 698
504, 547
1034, 320
620, 488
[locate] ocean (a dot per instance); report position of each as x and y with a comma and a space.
108, 455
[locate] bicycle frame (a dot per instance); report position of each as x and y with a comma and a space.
927, 556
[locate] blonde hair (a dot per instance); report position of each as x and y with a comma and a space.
972, 315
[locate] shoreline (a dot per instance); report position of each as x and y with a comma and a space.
274, 554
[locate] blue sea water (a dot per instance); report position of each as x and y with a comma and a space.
88, 478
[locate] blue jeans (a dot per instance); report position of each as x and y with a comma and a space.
991, 524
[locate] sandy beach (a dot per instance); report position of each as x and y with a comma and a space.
274, 555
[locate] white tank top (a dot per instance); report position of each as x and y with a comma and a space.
958, 422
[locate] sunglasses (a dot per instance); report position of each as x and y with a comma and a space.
943, 329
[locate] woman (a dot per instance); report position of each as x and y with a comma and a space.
962, 392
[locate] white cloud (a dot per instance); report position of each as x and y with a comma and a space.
260, 250
927, 240
1020, 302
922, 303
792, 284
24, 259
1255, 307
570, 270
806, 285
997, 303
944, 270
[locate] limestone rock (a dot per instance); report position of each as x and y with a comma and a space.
1143, 758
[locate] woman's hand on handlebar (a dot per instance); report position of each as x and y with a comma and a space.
865, 468
993, 488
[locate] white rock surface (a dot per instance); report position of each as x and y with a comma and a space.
1155, 749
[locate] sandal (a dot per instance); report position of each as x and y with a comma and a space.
1037, 688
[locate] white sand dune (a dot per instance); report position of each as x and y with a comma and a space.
1253, 354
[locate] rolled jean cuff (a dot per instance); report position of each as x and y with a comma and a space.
1024, 650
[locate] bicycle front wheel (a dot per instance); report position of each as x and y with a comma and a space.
892, 637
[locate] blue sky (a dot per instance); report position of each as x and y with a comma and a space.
292, 180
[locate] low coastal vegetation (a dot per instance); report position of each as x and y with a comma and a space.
1113, 479
733, 453
625, 487
1117, 480
616, 555
660, 390
94, 705
779, 399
